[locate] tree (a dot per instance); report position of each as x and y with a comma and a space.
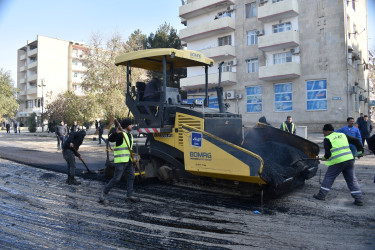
105, 81
31, 123
165, 37
69, 107
8, 102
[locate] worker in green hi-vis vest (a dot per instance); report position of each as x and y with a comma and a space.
339, 159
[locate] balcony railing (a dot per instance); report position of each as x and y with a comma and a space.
209, 29
220, 53
277, 41
280, 71
32, 65
277, 11
227, 78
198, 8
22, 68
31, 90
32, 77
32, 52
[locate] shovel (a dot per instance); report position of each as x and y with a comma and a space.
88, 170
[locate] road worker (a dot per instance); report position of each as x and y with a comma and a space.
122, 159
339, 159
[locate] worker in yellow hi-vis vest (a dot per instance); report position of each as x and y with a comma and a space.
339, 159
122, 159
288, 125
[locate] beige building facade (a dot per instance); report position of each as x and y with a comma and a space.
47, 67
308, 59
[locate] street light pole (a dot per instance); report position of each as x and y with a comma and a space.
42, 85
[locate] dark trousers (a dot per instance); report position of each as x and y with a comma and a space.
100, 137
70, 158
120, 168
60, 141
363, 141
347, 169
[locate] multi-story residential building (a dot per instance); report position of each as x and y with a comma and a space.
302, 58
47, 65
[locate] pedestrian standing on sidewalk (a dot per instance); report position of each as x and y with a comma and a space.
122, 159
15, 127
100, 128
8, 128
365, 128
74, 127
339, 159
60, 133
70, 150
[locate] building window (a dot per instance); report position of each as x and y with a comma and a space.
281, 27
281, 58
225, 40
252, 37
75, 62
29, 104
75, 74
316, 95
227, 67
276, 1
251, 10
254, 99
283, 97
223, 14
252, 65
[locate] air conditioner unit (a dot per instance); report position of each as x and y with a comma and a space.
361, 98
294, 51
355, 56
230, 95
263, 1
230, 8
238, 96
260, 32
354, 90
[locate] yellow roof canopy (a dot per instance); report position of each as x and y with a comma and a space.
152, 59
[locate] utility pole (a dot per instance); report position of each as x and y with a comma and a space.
42, 85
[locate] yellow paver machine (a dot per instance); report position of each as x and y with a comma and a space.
205, 147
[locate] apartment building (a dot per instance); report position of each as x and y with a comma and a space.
45, 68
304, 58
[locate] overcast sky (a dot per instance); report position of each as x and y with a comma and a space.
22, 20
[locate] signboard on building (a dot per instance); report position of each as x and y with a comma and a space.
372, 103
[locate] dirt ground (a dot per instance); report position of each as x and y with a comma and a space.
38, 210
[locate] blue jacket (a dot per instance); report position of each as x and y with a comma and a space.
352, 131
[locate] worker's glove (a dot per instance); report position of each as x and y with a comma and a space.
359, 154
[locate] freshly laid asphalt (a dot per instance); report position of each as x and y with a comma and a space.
40, 150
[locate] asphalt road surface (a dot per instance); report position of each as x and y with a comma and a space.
38, 210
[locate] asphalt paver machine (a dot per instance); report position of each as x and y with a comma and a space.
208, 147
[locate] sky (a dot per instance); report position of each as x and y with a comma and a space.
77, 20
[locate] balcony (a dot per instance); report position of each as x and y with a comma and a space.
31, 90
32, 65
32, 77
277, 41
209, 29
32, 52
22, 80
278, 11
22, 92
22, 57
220, 53
198, 8
227, 78
22, 68
280, 71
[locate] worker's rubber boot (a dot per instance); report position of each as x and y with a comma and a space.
103, 197
130, 193
320, 196
72, 181
68, 180
358, 202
